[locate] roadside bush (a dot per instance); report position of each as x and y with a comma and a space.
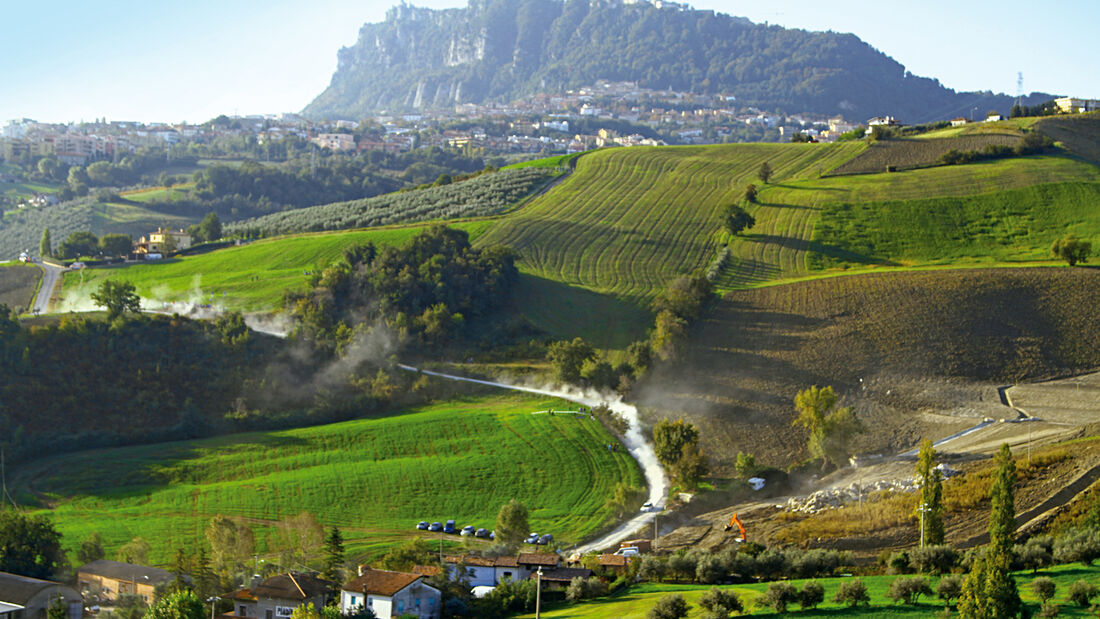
779, 595
812, 594
719, 603
1078, 545
1081, 592
908, 589
669, 607
1044, 588
933, 559
949, 588
853, 593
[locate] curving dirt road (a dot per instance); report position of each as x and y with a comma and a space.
635, 441
50, 276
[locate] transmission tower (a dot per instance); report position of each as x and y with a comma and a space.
1019, 87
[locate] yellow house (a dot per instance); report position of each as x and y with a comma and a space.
164, 241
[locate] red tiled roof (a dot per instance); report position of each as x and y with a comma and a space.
539, 558
244, 595
381, 582
469, 560
427, 570
613, 560
506, 562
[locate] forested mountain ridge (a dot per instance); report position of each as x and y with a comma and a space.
505, 49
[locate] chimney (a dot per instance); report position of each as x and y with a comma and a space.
363, 569
256, 580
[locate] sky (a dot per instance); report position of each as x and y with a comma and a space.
191, 60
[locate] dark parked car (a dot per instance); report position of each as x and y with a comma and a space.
482, 533
435, 526
449, 527
546, 539
422, 525
467, 530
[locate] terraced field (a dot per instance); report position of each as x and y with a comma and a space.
251, 277
374, 478
791, 240
908, 153
1080, 133
629, 220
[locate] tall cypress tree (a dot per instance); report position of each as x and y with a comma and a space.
334, 556
989, 589
45, 247
931, 494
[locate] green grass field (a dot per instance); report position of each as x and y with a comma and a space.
159, 193
133, 219
629, 220
374, 478
546, 162
249, 278
636, 601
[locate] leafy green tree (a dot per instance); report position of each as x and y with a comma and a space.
670, 438
29, 545
721, 603
1081, 592
305, 611
765, 172
178, 605
116, 244
57, 609
949, 588
45, 246
334, 556
989, 589
1072, 249
931, 495
135, 551
750, 193
1044, 588
81, 243
669, 607
78, 176
779, 595
567, 359
745, 465
812, 594
736, 219
207, 230
830, 430
853, 593
512, 524
231, 543
908, 589
117, 297
91, 549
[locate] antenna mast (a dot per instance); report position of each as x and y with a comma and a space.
1019, 86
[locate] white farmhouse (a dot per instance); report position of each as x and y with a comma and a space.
391, 594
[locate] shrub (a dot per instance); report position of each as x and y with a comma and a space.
719, 603
669, 607
812, 594
908, 589
949, 588
898, 563
1078, 545
651, 568
1081, 592
681, 565
581, 588
771, 563
779, 595
1044, 588
933, 559
710, 569
852, 593
1036, 553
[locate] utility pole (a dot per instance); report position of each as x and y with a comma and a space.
923, 508
538, 592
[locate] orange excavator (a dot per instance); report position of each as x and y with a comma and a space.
740, 527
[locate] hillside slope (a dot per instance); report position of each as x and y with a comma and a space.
917, 354
504, 49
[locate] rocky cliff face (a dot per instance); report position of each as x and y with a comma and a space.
503, 49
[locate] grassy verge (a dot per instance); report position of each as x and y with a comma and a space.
636, 601
374, 478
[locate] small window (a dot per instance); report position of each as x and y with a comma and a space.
268, 614
242, 611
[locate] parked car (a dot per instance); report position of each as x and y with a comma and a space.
435, 526
482, 533
422, 525
449, 527
546, 539
468, 530
532, 538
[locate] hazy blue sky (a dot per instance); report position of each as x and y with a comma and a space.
172, 60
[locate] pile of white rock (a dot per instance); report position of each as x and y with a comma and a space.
836, 497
